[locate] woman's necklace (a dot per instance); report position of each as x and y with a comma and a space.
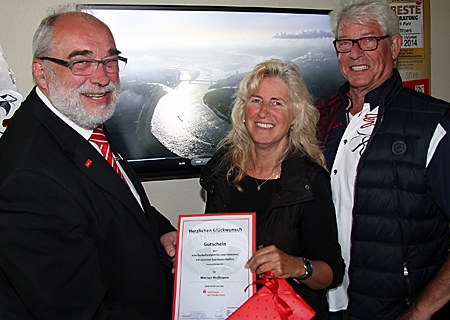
259, 185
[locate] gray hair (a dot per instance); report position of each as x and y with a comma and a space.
43, 37
361, 11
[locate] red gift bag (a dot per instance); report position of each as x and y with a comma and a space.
275, 300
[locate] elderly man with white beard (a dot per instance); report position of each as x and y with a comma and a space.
78, 236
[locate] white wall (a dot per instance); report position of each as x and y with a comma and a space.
20, 19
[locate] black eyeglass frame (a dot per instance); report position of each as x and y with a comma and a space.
357, 42
69, 64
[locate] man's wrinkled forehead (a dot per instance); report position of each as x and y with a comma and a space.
365, 22
89, 54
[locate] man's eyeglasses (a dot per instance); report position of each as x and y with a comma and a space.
88, 66
365, 44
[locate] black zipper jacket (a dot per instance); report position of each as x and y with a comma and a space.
399, 235
299, 219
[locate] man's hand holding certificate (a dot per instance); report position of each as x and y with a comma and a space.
212, 251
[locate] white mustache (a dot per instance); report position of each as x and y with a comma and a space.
85, 89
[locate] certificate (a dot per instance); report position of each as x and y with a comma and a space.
210, 275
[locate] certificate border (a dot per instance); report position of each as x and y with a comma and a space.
211, 217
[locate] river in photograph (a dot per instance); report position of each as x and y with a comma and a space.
185, 65
183, 123
175, 106
186, 126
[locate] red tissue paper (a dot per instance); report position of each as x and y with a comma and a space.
275, 300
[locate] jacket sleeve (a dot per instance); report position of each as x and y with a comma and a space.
327, 109
164, 225
320, 228
50, 265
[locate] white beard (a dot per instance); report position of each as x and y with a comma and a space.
68, 102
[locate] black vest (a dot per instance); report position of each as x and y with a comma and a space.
399, 236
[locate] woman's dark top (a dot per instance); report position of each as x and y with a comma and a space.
295, 213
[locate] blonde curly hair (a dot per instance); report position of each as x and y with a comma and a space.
302, 136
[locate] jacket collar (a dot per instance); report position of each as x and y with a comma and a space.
379, 96
91, 163
295, 166
294, 189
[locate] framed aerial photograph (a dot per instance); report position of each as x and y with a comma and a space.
184, 66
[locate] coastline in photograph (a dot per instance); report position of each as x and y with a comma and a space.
184, 68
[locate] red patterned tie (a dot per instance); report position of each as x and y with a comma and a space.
98, 136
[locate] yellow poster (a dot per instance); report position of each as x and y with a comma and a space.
413, 62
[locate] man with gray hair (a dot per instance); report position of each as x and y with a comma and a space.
387, 149
78, 236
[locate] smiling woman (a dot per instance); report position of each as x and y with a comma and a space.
268, 119
270, 163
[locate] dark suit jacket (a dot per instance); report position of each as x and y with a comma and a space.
74, 242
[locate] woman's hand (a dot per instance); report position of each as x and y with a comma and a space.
284, 265
273, 259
